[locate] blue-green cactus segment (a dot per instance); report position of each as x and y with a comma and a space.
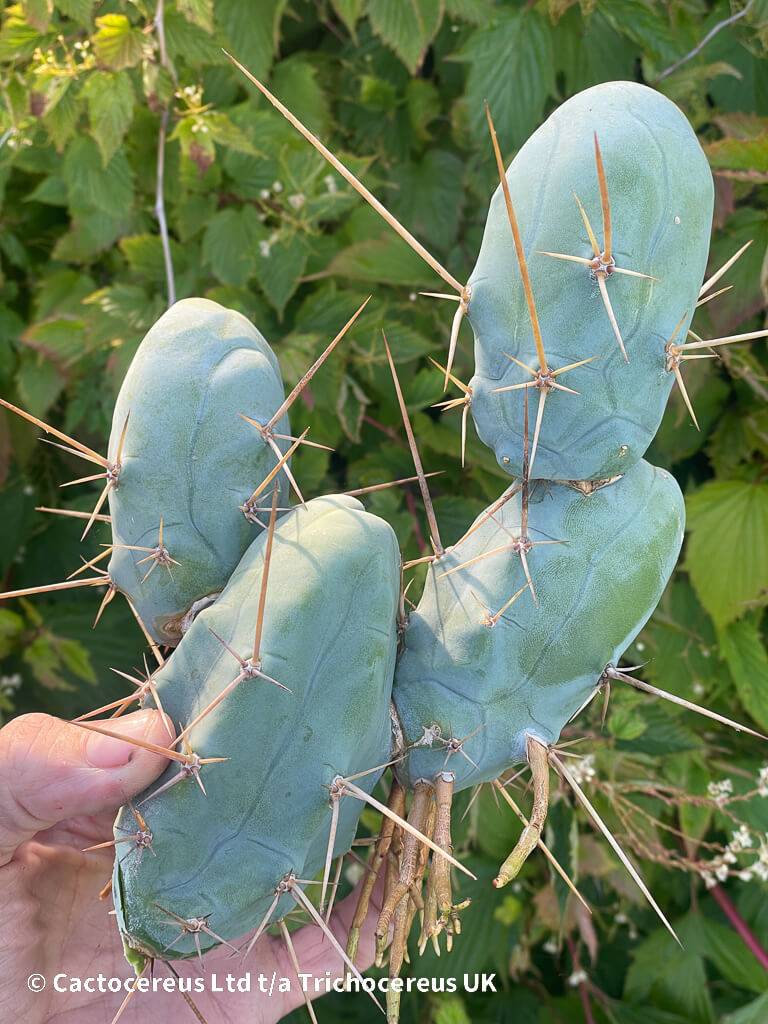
467, 672
330, 636
189, 458
661, 197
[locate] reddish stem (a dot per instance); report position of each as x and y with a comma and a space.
745, 933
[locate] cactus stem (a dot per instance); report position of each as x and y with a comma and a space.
725, 267
282, 463
350, 177
494, 508
84, 480
591, 262
529, 838
584, 800
92, 563
296, 968
519, 545
455, 745
83, 451
72, 513
383, 809
141, 838
462, 403
96, 581
714, 295
152, 645
379, 853
520, 252
613, 673
499, 787
426, 497
191, 764
390, 483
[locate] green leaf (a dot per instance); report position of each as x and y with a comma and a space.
428, 197
670, 978
350, 12
38, 382
385, 260
230, 244
198, 11
295, 82
38, 13
117, 43
91, 184
279, 268
727, 554
745, 159
110, 99
511, 62
251, 32
474, 11
77, 10
19, 39
755, 1013
62, 339
744, 653
11, 626
351, 403
407, 27
189, 42
723, 947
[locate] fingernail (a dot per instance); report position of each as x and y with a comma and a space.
104, 752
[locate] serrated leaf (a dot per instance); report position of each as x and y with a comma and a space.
19, 39
755, 1012
38, 13
727, 553
189, 42
78, 10
230, 244
429, 197
251, 33
91, 184
295, 82
407, 27
198, 11
511, 62
61, 339
117, 44
351, 403
110, 99
726, 950
743, 650
350, 12
38, 383
278, 270
670, 978
474, 11
385, 260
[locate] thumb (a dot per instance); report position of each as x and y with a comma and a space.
54, 770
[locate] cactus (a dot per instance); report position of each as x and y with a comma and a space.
608, 301
323, 610
188, 461
499, 649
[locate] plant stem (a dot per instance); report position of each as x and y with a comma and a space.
745, 933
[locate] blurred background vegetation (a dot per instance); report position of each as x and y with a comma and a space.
260, 223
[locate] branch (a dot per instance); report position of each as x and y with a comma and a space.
710, 35
160, 173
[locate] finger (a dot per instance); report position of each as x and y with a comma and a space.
53, 770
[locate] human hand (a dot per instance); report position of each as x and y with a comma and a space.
61, 789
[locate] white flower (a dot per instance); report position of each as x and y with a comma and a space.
330, 183
699, 689
297, 200
742, 839
709, 879
720, 791
577, 978
277, 186
264, 248
762, 781
265, 193
584, 770
550, 946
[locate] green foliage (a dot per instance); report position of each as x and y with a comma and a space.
82, 279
